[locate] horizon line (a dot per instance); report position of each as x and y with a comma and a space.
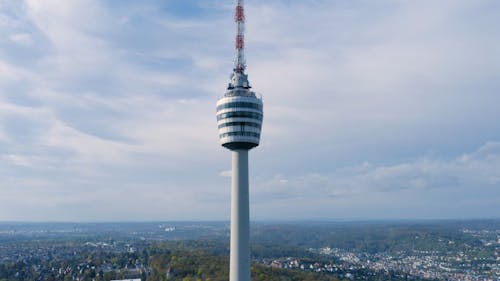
255, 221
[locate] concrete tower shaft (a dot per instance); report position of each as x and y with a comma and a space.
239, 264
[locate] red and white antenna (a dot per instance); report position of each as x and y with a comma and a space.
239, 18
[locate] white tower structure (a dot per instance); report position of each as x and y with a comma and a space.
239, 119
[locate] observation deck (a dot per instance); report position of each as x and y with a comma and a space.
239, 116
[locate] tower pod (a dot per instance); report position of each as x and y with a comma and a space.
239, 119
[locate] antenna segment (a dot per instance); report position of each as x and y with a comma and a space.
239, 18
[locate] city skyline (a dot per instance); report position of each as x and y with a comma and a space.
382, 110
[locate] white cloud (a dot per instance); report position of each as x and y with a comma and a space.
410, 186
226, 174
22, 39
101, 102
18, 160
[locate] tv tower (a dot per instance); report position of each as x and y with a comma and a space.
239, 120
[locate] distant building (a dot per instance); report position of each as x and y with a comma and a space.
276, 264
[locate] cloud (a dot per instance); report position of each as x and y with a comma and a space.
23, 39
226, 174
99, 101
411, 186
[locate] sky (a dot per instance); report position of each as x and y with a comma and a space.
372, 109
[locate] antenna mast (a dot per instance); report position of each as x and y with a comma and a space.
239, 18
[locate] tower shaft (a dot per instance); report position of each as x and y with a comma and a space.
239, 268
